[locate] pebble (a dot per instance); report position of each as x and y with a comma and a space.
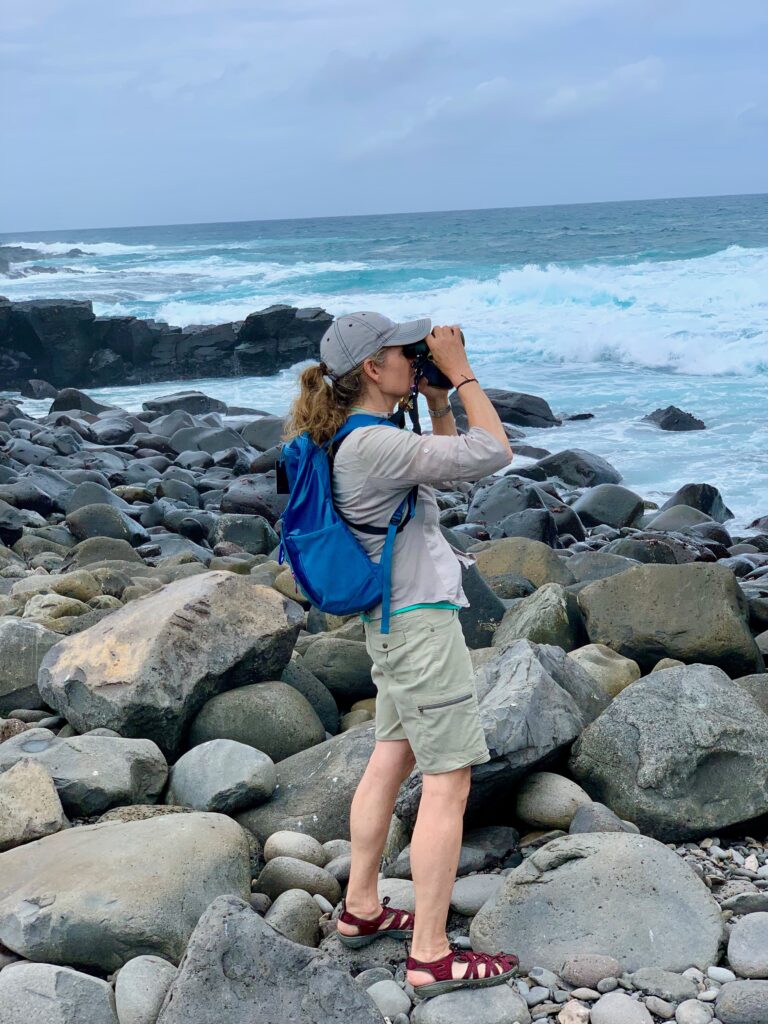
389, 997
544, 977
588, 969
720, 974
585, 993
367, 978
619, 1008
607, 985
660, 1007
536, 995
691, 1011
573, 1013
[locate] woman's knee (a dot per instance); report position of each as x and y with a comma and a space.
393, 758
448, 786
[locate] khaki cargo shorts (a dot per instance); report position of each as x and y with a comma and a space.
425, 689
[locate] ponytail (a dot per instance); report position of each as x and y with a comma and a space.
324, 403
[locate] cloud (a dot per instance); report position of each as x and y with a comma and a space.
639, 79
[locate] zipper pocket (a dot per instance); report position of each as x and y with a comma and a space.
444, 703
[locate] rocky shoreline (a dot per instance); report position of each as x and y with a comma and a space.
181, 736
61, 343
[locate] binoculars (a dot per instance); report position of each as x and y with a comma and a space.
424, 365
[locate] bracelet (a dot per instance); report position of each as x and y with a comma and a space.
437, 414
467, 380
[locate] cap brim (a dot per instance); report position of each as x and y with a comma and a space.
407, 333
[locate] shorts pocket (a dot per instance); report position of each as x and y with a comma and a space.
449, 730
382, 643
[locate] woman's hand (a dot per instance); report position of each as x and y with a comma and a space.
437, 398
449, 354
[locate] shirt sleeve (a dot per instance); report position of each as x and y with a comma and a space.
399, 457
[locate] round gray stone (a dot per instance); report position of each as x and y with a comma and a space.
296, 915
743, 1002
221, 775
273, 717
140, 989
295, 844
618, 1008
692, 1011
498, 1004
283, 873
472, 891
389, 998
548, 800
748, 946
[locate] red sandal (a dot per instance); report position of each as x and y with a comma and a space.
499, 967
400, 927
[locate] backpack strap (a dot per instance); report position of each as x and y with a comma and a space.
400, 517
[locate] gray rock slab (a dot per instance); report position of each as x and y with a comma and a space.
221, 775
49, 994
141, 987
239, 969
681, 753
92, 773
24, 645
170, 651
546, 909
99, 895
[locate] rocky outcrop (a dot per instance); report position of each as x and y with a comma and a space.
64, 342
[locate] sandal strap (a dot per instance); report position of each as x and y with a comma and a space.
402, 920
442, 969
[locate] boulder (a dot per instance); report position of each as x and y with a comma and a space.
673, 418
529, 558
579, 468
273, 717
596, 817
296, 845
99, 895
533, 702
194, 402
49, 994
677, 518
587, 566
297, 675
239, 969
518, 408
534, 523
251, 533
549, 616
221, 775
694, 612
611, 671
91, 773
315, 789
610, 505
30, 807
675, 922
141, 987
105, 521
617, 1008
24, 645
170, 652
682, 753
343, 666
548, 801
703, 497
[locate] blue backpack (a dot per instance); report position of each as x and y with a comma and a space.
326, 559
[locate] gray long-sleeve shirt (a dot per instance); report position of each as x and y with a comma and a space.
376, 467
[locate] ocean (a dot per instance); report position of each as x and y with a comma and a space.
610, 308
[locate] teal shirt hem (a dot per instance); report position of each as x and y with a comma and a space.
409, 608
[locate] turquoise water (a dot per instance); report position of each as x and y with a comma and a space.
613, 308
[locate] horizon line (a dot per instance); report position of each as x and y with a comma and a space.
399, 213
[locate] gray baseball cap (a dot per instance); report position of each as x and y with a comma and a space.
357, 336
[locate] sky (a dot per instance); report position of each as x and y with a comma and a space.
146, 112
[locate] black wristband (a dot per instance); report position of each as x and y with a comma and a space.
469, 380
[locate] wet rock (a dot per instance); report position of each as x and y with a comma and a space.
673, 418
608, 504
579, 468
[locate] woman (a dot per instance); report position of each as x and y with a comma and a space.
426, 706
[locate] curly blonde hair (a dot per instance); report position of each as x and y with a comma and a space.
320, 407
